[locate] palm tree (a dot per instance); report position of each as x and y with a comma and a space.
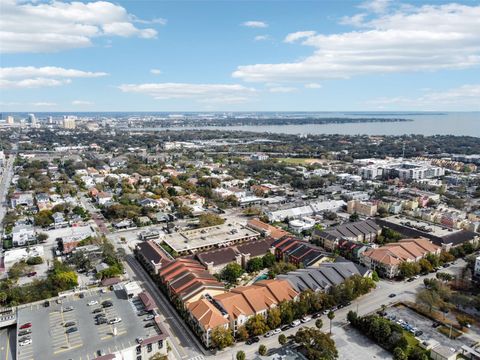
331, 316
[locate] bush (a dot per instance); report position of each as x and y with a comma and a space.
262, 350
36, 260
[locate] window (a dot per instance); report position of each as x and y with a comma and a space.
149, 348
139, 357
139, 349
160, 344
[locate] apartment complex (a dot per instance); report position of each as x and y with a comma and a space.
232, 309
360, 231
387, 259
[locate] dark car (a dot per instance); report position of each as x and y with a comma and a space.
102, 320
46, 304
70, 323
410, 280
436, 324
381, 313
96, 311
317, 315
285, 327
142, 312
150, 324
418, 333
71, 330
107, 304
98, 316
252, 340
33, 273
25, 332
392, 295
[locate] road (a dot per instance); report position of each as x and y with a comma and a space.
405, 291
4, 185
184, 343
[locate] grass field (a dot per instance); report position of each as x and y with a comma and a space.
300, 161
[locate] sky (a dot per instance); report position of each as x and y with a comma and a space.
378, 55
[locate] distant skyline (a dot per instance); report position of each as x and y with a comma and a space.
378, 55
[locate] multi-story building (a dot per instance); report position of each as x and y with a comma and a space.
387, 259
69, 122
364, 208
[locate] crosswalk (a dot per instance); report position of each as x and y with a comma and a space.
198, 357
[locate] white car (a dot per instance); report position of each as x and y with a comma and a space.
295, 323
115, 320
93, 302
306, 319
268, 334
26, 342
277, 331
149, 317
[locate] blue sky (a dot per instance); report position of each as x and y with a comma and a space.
239, 55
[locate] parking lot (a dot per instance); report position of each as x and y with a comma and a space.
353, 345
425, 325
51, 340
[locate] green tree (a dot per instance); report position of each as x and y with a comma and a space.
274, 318
319, 323
43, 218
331, 316
282, 339
241, 355
256, 325
255, 264
354, 217
41, 237
399, 354
268, 260
231, 272
428, 297
262, 350
221, 338
425, 266
208, 219
375, 276
317, 344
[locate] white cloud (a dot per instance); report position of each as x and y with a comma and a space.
82, 103
290, 38
313, 86
35, 77
255, 24
282, 89
376, 6
155, 71
423, 38
457, 98
52, 26
44, 103
261, 37
204, 93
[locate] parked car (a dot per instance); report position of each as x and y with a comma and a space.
277, 331
326, 311
25, 338
285, 327
392, 295
101, 352
142, 312
92, 302
46, 304
67, 309
115, 320
418, 333
107, 304
317, 315
97, 310
411, 279
24, 332
150, 324
33, 273
102, 320
149, 317
268, 334
26, 342
436, 324
252, 340
26, 326
71, 330
139, 340
306, 319
70, 323
295, 323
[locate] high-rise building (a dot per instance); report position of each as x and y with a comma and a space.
10, 120
69, 122
32, 120
50, 120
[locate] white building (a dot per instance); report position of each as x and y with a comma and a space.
69, 122
22, 234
